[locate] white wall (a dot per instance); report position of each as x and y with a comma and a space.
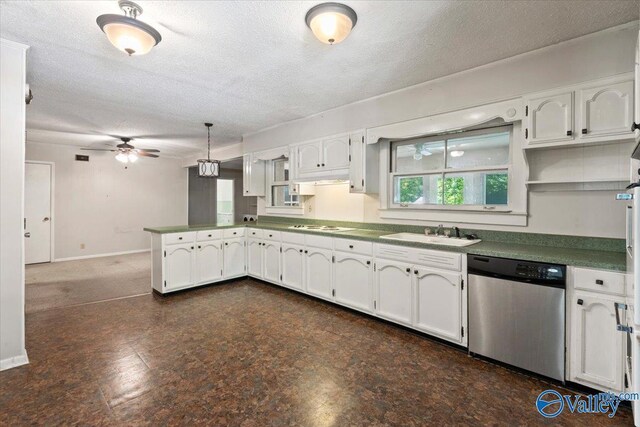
103, 206
598, 55
12, 125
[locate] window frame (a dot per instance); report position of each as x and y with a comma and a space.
273, 183
445, 137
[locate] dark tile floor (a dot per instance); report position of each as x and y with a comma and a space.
251, 354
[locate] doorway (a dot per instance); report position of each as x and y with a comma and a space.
224, 201
38, 205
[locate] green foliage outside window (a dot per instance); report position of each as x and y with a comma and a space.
453, 191
496, 188
410, 189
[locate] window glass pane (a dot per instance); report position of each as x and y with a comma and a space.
280, 196
491, 149
417, 190
419, 156
224, 201
475, 188
281, 170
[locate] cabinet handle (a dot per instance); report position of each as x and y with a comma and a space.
368, 262
179, 238
323, 165
415, 272
635, 126
306, 252
318, 165
584, 131
300, 250
569, 133
226, 244
350, 246
199, 247
234, 232
209, 235
270, 235
580, 302
191, 247
408, 270
599, 282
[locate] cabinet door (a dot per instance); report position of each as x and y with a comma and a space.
292, 266
253, 176
438, 303
254, 258
319, 272
353, 281
271, 261
234, 258
356, 164
394, 291
309, 157
596, 346
209, 261
606, 110
178, 266
550, 118
335, 153
636, 93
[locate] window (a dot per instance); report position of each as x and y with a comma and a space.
224, 201
280, 195
468, 168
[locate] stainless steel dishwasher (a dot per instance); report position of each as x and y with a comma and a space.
517, 313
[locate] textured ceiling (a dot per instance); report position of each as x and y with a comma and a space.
249, 65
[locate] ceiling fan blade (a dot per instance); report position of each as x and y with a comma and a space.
97, 149
147, 150
143, 154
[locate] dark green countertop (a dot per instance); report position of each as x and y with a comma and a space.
579, 257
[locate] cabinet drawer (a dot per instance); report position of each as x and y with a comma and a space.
271, 235
230, 233
174, 238
609, 282
437, 259
354, 246
392, 252
254, 233
206, 235
318, 241
295, 238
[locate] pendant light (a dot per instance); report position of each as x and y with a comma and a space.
126, 32
206, 167
331, 23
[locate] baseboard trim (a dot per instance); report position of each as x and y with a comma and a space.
13, 362
137, 251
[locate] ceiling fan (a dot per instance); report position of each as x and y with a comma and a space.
126, 152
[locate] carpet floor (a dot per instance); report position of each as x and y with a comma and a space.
67, 283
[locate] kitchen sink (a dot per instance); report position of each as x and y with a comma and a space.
434, 240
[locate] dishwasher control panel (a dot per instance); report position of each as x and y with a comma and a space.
518, 270
534, 271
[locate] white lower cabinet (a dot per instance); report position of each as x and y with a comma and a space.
597, 348
254, 258
271, 261
394, 291
209, 261
319, 272
353, 281
234, 258
293, 266
438, 303
179, 262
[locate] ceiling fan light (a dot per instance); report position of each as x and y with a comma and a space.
457, 153
132, 156
122, 157
331, 23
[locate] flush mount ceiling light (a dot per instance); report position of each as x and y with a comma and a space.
126, 32
206, 167
331, 23
457, 153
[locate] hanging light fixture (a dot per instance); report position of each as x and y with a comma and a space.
331, 23
206, 167
126, 32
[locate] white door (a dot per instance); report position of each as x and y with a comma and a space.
271, 261
356, 163
550, 118
309, 157
438, 303
209, 261
335, 153
234, 258
179, 266
606, 110
254, 258
352, 279
319, 272
37, 213
292, 266
394, 291
596, 345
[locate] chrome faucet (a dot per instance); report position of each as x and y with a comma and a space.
440, 230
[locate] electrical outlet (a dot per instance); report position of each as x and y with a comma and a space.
81, 245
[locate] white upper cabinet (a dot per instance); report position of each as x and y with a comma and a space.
438, 305
352, 281
606, 110
309, 157
636, 94
549, 118
234, 258
292, 266
319, 272
253, 178
394, 291
209, 261
178, 266
271, 263
335, 153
